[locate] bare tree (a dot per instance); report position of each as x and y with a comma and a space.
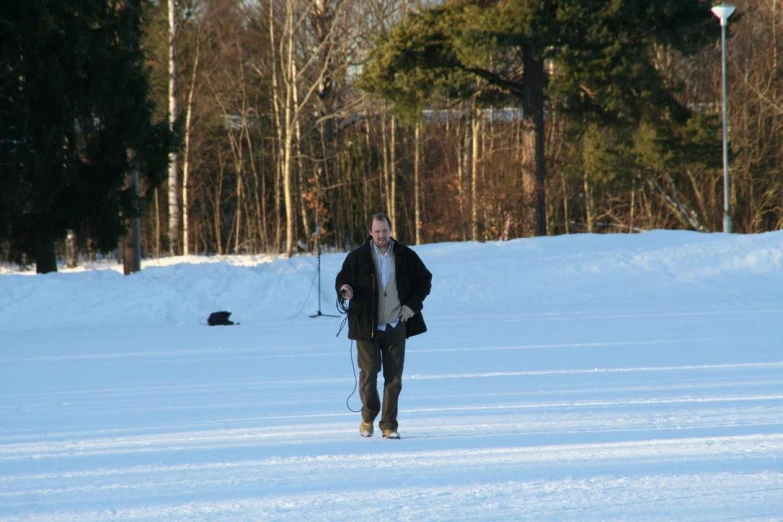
186, 158
302, 66
174, 208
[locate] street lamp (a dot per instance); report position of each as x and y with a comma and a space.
723, 12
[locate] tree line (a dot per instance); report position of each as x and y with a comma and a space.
266, 126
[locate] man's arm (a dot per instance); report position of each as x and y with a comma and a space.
344, 278
346, 281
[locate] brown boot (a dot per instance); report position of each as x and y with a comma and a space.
366, 429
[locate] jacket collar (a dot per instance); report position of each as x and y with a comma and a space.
369, 244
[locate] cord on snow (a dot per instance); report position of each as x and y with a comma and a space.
342, 307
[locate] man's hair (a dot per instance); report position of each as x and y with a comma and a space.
380, 216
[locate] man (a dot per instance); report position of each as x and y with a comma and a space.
386, 284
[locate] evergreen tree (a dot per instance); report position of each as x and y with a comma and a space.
602, 53
75, 119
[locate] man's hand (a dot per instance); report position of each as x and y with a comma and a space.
406, 313
346, 291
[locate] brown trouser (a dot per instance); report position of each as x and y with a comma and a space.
387, 349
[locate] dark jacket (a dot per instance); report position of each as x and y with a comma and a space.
414, 282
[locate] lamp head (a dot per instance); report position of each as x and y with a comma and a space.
723, 11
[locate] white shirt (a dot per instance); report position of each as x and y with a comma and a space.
385, 266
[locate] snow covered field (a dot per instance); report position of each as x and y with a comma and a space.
611, 377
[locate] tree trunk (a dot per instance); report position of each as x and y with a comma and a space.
157, 224
217, 213
474, 171
303, 189
71, 250
298, 152
186, 161
417, 183
289, 113
631, 223
386, 180
259, 192
566, 207
534, 78
278, 221
540, 190
366, 197
278, 121
462, 172
131, 260
174, 209
393, 173
288, 194
238, 195
774, 45
45, 255
588, 196
132, 242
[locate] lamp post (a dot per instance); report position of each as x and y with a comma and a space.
723, 12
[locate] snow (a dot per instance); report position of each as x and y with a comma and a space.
583, 377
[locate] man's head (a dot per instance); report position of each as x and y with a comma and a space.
380, 230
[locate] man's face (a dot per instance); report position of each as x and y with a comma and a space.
380, 233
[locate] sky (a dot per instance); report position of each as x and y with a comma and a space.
581, 377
